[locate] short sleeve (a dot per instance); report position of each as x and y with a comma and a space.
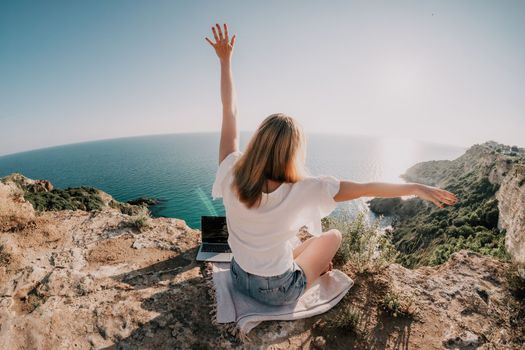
327, 187
223, 173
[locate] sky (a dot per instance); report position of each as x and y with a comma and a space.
450, 72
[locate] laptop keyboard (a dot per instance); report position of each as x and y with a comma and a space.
216, 248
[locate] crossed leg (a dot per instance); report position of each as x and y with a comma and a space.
316, 253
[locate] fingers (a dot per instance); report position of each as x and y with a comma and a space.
446, 197
226, 33
448, 194
211, 43
215, 34
437, 202
220, 31
221, 39
442, 200
439, 196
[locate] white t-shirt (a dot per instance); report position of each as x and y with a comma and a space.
260, 237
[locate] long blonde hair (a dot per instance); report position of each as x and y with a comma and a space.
277, 151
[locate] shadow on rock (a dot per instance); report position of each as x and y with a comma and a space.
184, 307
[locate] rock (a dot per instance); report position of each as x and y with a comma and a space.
511, 205
144, 201
466, 340
319, 342
28, 184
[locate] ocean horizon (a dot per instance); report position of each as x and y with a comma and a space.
179, 169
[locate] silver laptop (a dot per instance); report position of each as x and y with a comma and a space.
214, 245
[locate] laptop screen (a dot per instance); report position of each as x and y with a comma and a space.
214, 229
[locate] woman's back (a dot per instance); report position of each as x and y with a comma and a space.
260, 236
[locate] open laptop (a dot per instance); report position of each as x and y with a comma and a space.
214, 245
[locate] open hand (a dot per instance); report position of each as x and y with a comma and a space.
435, 195
223, 46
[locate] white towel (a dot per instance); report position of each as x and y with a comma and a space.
233, 306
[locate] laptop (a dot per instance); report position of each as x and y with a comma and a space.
214, 245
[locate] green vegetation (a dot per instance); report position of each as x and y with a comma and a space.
83, 198
431, 234
140, 223
398, 305
347, 318
364, 244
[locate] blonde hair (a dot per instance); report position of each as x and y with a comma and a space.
277, 151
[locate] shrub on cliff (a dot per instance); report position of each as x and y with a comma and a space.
83, 198
346, 319
364, 244
140, 222
398, 304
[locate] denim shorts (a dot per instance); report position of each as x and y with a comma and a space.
282, 289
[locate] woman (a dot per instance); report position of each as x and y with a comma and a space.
268, 196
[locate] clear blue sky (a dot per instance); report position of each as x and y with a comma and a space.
443, 71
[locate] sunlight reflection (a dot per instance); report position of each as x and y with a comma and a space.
396, 156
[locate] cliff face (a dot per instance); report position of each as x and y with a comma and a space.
504, 167
101, 279
511, 204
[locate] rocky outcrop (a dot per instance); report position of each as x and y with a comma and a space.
26, 184
44, 197
497, 164
143, 201
76, 279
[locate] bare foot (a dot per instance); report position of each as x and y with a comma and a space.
328, 268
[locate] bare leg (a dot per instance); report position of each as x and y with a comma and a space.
316, 256
301, 247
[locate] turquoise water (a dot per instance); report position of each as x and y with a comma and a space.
179, 169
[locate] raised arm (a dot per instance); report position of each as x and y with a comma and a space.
351, 190
229, 133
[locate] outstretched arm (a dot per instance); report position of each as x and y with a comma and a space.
351, 190
229, 134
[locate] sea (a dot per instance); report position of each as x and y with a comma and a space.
179, 169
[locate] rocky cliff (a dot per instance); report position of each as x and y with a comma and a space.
490, 181
104, 279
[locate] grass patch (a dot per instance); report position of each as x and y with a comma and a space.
141, 223
347, 318
397, 304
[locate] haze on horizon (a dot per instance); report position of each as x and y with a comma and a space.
450, 72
